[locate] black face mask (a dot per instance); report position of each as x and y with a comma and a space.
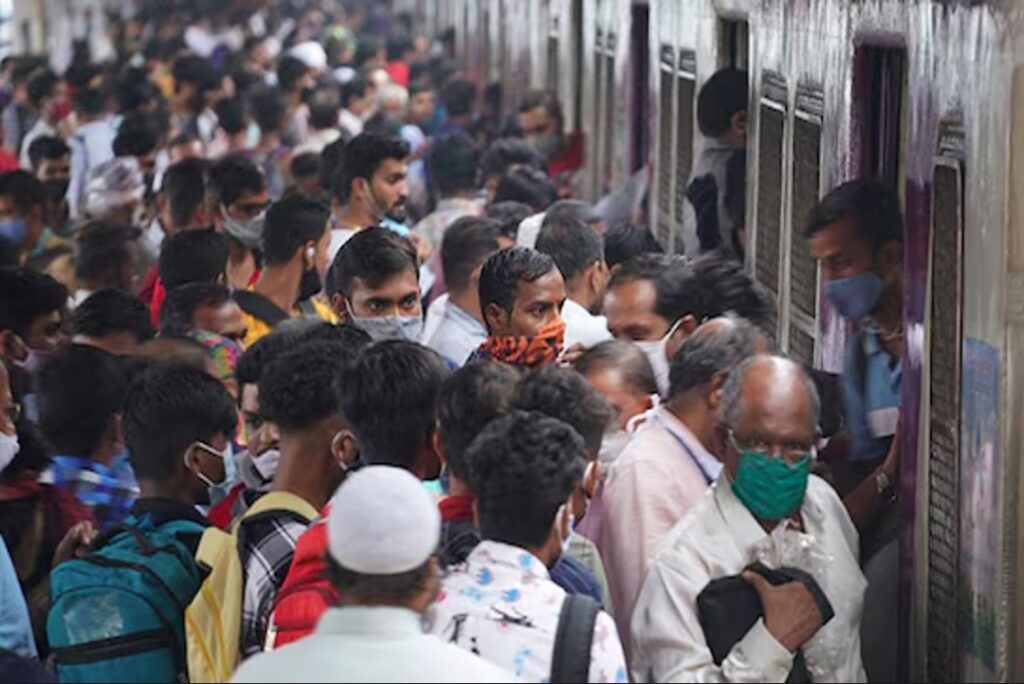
56, 189
310, 284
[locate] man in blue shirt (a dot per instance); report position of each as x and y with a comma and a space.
856, 234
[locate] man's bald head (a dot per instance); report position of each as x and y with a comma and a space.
769, 400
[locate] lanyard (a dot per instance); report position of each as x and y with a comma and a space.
686, 447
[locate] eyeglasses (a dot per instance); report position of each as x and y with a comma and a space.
13, 412
788, 451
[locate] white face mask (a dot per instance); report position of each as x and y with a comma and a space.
9, 448
657, 355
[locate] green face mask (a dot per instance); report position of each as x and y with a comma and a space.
770, 487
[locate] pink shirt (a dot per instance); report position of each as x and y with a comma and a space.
661, 474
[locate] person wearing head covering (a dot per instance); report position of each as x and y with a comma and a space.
382, 532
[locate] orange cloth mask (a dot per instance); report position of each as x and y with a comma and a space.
533, 352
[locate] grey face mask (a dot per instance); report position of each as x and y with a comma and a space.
544, 144
381, 328
248, 232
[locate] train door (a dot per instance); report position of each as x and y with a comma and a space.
639, 78
734, 43
878, 151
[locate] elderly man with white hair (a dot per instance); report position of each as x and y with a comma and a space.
765, 507
382, 532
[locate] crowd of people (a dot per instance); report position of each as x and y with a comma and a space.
315, 368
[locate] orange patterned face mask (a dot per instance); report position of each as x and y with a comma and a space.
518, 350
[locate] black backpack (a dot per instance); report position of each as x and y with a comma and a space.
574, 637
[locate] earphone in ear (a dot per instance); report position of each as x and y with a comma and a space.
310, 252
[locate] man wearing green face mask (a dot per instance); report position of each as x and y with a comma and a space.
766, 438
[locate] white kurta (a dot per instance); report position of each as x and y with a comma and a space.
375, 644
715, 540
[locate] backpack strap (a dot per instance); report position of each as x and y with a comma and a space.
570, 661
260, 307
306, 308
275, 501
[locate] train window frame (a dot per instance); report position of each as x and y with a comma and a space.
639, 86
945, 389
685, 135
665, 196
801, 320
774, 99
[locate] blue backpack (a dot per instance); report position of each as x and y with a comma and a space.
117, 614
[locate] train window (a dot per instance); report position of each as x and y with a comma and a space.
770, 148
734, 43
803, 269
943, 425
666, 129
640, 50
879, 76
686, 91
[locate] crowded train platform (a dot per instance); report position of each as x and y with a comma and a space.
511, 340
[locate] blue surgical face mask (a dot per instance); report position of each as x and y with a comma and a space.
855, 297
14, 230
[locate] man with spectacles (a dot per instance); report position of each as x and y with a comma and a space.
668, 465
766, 433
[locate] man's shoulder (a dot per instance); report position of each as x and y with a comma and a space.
682, 548
459, 664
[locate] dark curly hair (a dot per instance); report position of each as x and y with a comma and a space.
523, 467
564, 394
470, 399
296, 389
389, 399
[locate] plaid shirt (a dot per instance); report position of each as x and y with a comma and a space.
109, 491
267, 548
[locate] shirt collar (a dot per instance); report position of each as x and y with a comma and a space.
455, 311
456, 203
166, 509
708, 463
380, 622
742, 524
493, 553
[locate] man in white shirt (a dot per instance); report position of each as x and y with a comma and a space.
667, 466
527, 470
578, 251
91, 145
465, 248
767, 432
382, 531
369, 186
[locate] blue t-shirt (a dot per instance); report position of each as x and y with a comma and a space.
871, 395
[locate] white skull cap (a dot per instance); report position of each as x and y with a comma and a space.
382, 522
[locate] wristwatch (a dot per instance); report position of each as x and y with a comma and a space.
885, 487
